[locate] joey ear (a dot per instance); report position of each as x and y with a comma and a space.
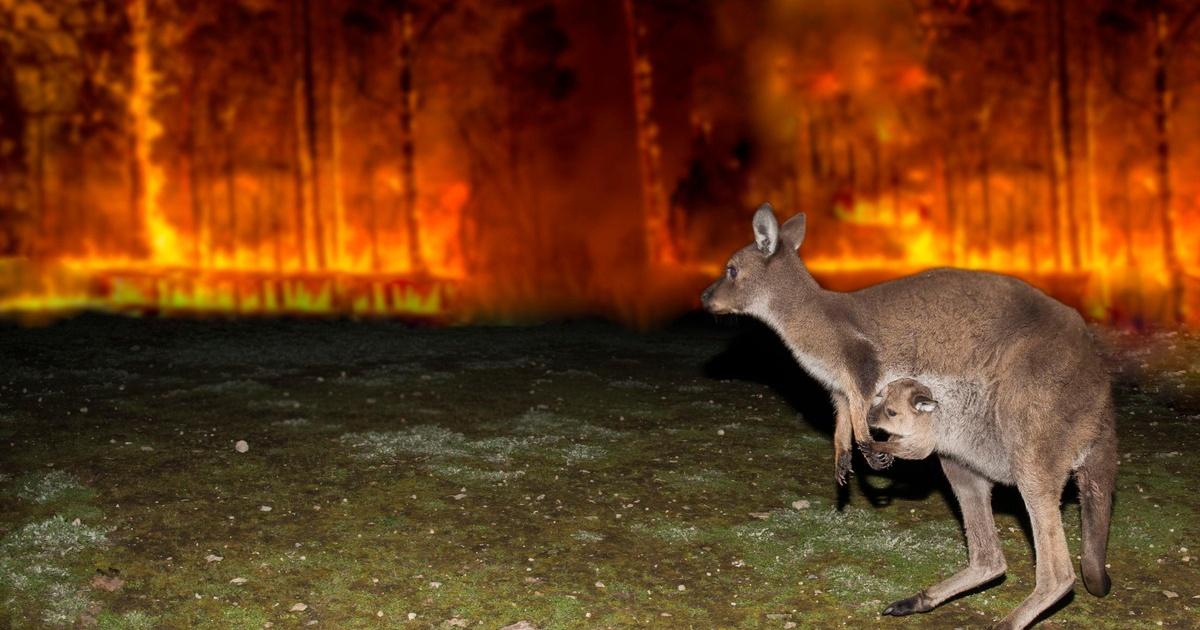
766, 229
924, 404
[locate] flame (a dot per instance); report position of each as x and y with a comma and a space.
166, 246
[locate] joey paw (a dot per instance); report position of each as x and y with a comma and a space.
875, 459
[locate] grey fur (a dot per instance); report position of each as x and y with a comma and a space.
1023, 398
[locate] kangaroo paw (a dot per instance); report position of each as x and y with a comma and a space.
908, 606
842, 467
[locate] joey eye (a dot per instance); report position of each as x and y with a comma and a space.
731, 271
891, 413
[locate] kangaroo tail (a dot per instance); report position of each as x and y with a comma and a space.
1097, 479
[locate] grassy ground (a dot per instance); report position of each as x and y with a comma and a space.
571, 475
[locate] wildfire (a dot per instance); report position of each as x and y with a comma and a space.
393, 160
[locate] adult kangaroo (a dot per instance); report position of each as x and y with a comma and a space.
1023, 396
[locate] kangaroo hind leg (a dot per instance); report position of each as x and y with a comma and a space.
1055, 575
974, 494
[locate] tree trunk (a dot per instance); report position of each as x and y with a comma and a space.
189, 172
230, 174
335, 149
299, 170
408, 147
310, 133
951, 206
1069, 221
659, 246
1089, 116
1162, 123
1057, 160
985, 192
372, 212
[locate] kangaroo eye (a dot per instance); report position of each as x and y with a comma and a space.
731, 271
891, 413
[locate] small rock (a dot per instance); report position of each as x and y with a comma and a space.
298, 607
77, 522
1171, 594
599, 584
520, 625
801, 504
460, 496
435, 585
681, 588
241, 446
720, 431
264, 508
212, 557
238, 580
789, 625
412, 616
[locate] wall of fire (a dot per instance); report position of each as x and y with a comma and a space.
477, 159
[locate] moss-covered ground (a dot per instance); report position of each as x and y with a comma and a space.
571, 475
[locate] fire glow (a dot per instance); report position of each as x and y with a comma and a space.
373, 158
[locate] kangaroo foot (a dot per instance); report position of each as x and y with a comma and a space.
915, 604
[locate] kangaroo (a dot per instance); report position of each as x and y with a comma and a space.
1023, 396
905, 411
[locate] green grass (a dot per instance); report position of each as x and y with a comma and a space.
568, 475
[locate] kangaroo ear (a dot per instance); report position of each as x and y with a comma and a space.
793, 230
766, 229
924, 404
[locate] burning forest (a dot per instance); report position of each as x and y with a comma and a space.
468, 160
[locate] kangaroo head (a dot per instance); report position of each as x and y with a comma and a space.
767, 267
903, 408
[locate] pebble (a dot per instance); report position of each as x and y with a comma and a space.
412, 616
264, 508
212, 557
801, 504
238, 580
241, 446
298, 607
1171, 594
